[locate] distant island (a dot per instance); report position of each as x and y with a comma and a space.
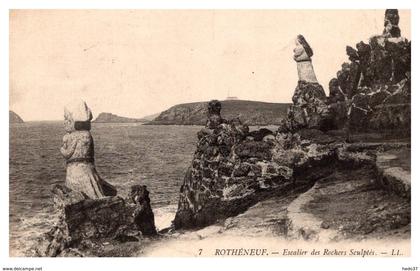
14, 118
250, 112
112, 118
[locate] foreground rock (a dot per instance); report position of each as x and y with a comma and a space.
348, 204
86, 225
394, 171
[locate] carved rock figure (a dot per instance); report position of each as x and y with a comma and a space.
143, 213
302, 56
391, 23
309, 108
78, 150
373, 90
213, 114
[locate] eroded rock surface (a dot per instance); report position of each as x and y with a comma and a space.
373, 91
86, 225
233, 169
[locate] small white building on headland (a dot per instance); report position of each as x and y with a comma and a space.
229, 98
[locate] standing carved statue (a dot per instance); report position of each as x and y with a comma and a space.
302, 56
309, 108
391, 21
78, 151
143, 213
214, 118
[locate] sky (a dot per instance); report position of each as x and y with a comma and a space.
139, 62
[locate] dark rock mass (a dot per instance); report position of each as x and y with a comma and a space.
309, 109
143, 215
84, 224
14, 118
373, 91
232, 169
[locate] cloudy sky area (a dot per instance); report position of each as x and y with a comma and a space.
135, 63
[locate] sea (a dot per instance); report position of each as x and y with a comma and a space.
125, 154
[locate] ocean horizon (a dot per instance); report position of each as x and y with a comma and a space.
125, 154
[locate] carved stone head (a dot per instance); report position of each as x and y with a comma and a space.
214, 107
391, 17
302, 51
391, 23
139, 194
77, 116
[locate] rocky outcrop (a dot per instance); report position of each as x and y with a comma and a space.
111, 118
309, 109
373, 91
348, 204
232, 169
250, 112
85, 225
14, 118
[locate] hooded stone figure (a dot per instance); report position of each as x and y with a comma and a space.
78, 151
391, 21
302, 56
213, 114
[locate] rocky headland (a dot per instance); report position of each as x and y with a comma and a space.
112, 118
336, 170
250, 112
14, 118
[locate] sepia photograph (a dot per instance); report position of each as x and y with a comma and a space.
210, 133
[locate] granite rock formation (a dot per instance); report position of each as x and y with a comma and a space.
232, 169
373, 91
84, 224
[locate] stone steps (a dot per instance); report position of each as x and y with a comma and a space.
304, 225
394, 172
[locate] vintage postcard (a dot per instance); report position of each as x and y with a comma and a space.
210, 133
